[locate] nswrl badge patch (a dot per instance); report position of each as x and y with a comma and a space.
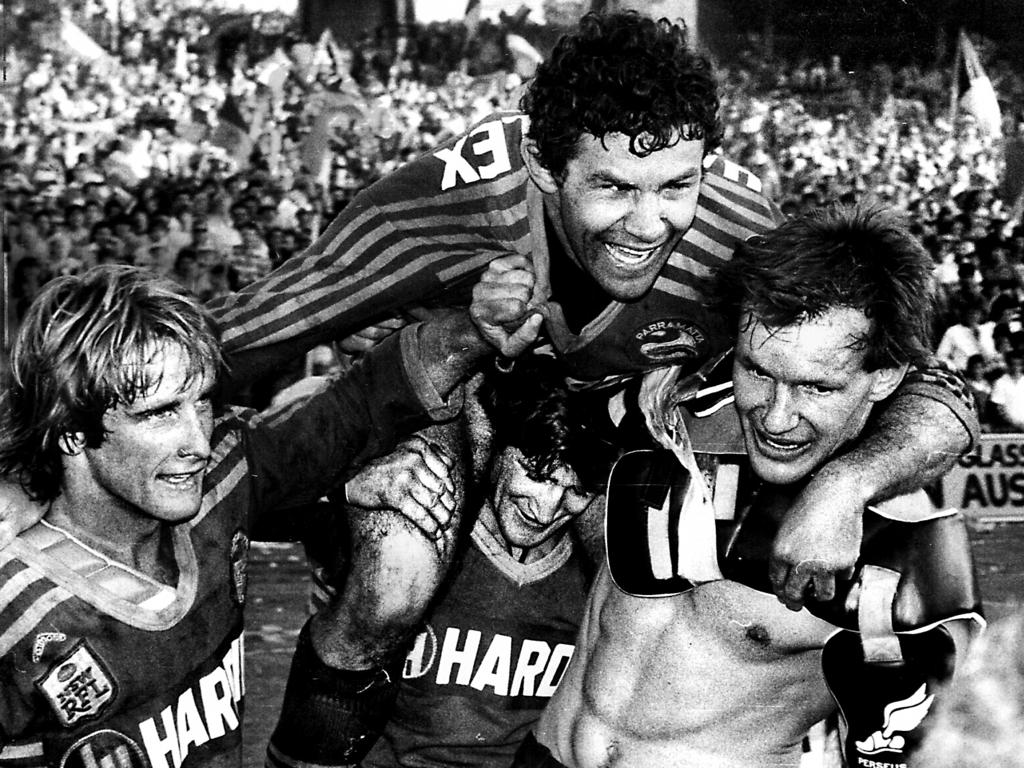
78, 687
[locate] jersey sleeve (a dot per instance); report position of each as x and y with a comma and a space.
301, 452
937, 381
418, 237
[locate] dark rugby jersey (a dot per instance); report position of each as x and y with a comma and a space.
494, 648
102, 666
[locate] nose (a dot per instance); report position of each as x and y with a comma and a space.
646, 219
779, 415
545, 502
197, 426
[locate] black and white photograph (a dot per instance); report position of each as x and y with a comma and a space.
511, 384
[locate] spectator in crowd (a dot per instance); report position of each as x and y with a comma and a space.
977, 377
968, 337
1007, 398
187, 273
250, 260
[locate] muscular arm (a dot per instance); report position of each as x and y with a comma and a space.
916, 439
395, 569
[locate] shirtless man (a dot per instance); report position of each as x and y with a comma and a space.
832, 310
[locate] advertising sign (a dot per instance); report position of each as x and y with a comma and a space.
988, 483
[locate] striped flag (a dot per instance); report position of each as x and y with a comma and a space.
972, 90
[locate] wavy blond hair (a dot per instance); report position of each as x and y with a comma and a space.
81, 350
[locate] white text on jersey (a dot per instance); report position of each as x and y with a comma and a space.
186, 723
491, 146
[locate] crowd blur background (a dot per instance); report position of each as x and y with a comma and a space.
212, 144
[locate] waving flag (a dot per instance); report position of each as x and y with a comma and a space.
472, 18
972, 90
80, 44
273, 71
526, 57
345, 105
232, 133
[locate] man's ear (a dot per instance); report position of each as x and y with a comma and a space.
71, 443
886, 381
541, 176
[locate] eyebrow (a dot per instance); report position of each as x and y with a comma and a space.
608, 176
204, 394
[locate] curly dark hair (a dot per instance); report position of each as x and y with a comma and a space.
532, 409
621, 73
856, 256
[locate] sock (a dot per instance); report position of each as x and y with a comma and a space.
329, 717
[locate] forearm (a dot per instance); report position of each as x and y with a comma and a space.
449, 349
913, 442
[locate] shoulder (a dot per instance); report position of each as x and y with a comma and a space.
28, 593
720, 171
485, 155
734, 196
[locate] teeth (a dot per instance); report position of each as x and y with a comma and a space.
782, 446
629, 255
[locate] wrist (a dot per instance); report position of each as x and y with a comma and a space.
459, 337
846, 478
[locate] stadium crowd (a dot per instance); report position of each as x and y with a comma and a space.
209, 156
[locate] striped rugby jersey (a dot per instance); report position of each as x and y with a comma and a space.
422, 236
102, 666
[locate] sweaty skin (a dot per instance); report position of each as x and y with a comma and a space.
719, 677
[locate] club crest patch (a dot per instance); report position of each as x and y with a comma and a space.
78, 687
239, 565
671, 341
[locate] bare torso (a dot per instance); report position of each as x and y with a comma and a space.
720, 677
